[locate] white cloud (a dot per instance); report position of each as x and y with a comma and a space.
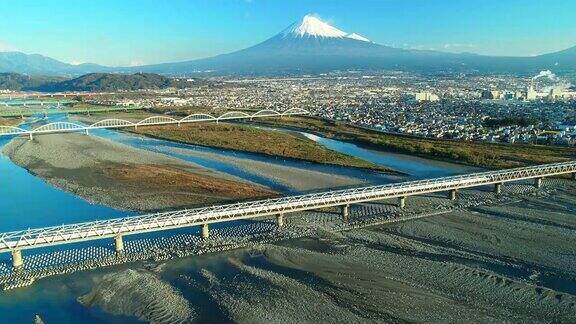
136, 63
459, 46
421, 47
5, 47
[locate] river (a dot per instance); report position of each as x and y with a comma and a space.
29, 202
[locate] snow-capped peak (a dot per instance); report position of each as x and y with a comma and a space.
313, 26
358, 37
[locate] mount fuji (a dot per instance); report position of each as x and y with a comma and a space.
313, 27
308, 46
312, 45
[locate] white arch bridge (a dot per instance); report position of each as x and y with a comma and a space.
66, 127
16, 241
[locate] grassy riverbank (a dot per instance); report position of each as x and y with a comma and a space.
486, 155
254, 140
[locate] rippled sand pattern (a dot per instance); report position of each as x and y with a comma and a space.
486, 264
139, 293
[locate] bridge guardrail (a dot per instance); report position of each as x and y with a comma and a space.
188, 217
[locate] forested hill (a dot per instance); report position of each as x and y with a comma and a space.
92, 82
115, 82
15, 81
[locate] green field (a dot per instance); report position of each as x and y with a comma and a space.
79, 107
254, 140
486, 155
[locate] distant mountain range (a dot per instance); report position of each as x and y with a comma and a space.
309, 45
36, 64
91, 82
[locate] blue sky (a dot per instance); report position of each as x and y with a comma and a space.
117, 32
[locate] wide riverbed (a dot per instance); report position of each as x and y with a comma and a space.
29, 202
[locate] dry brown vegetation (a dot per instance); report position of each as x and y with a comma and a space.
122, 177
164, 178
10, 121
255, 140
486, 155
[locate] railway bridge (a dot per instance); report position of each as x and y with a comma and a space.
114, 123
15, 242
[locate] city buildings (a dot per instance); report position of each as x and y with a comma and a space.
394, 102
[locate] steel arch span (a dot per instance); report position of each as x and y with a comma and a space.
11, 130
197, 118
57, 127
111, 123
234, 115
67, 127
156, 120
267, 113
296, 111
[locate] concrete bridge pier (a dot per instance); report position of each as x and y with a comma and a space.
573, 176
86, 131
17, 261
402, 202
204, 232
452, 194
345, 211
538, 182
119, 245
30, 136
498, 188
280, 220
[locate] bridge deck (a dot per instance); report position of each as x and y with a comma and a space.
33, 238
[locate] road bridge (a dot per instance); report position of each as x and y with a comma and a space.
67, 127
17, 241
33, 103
52, 110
